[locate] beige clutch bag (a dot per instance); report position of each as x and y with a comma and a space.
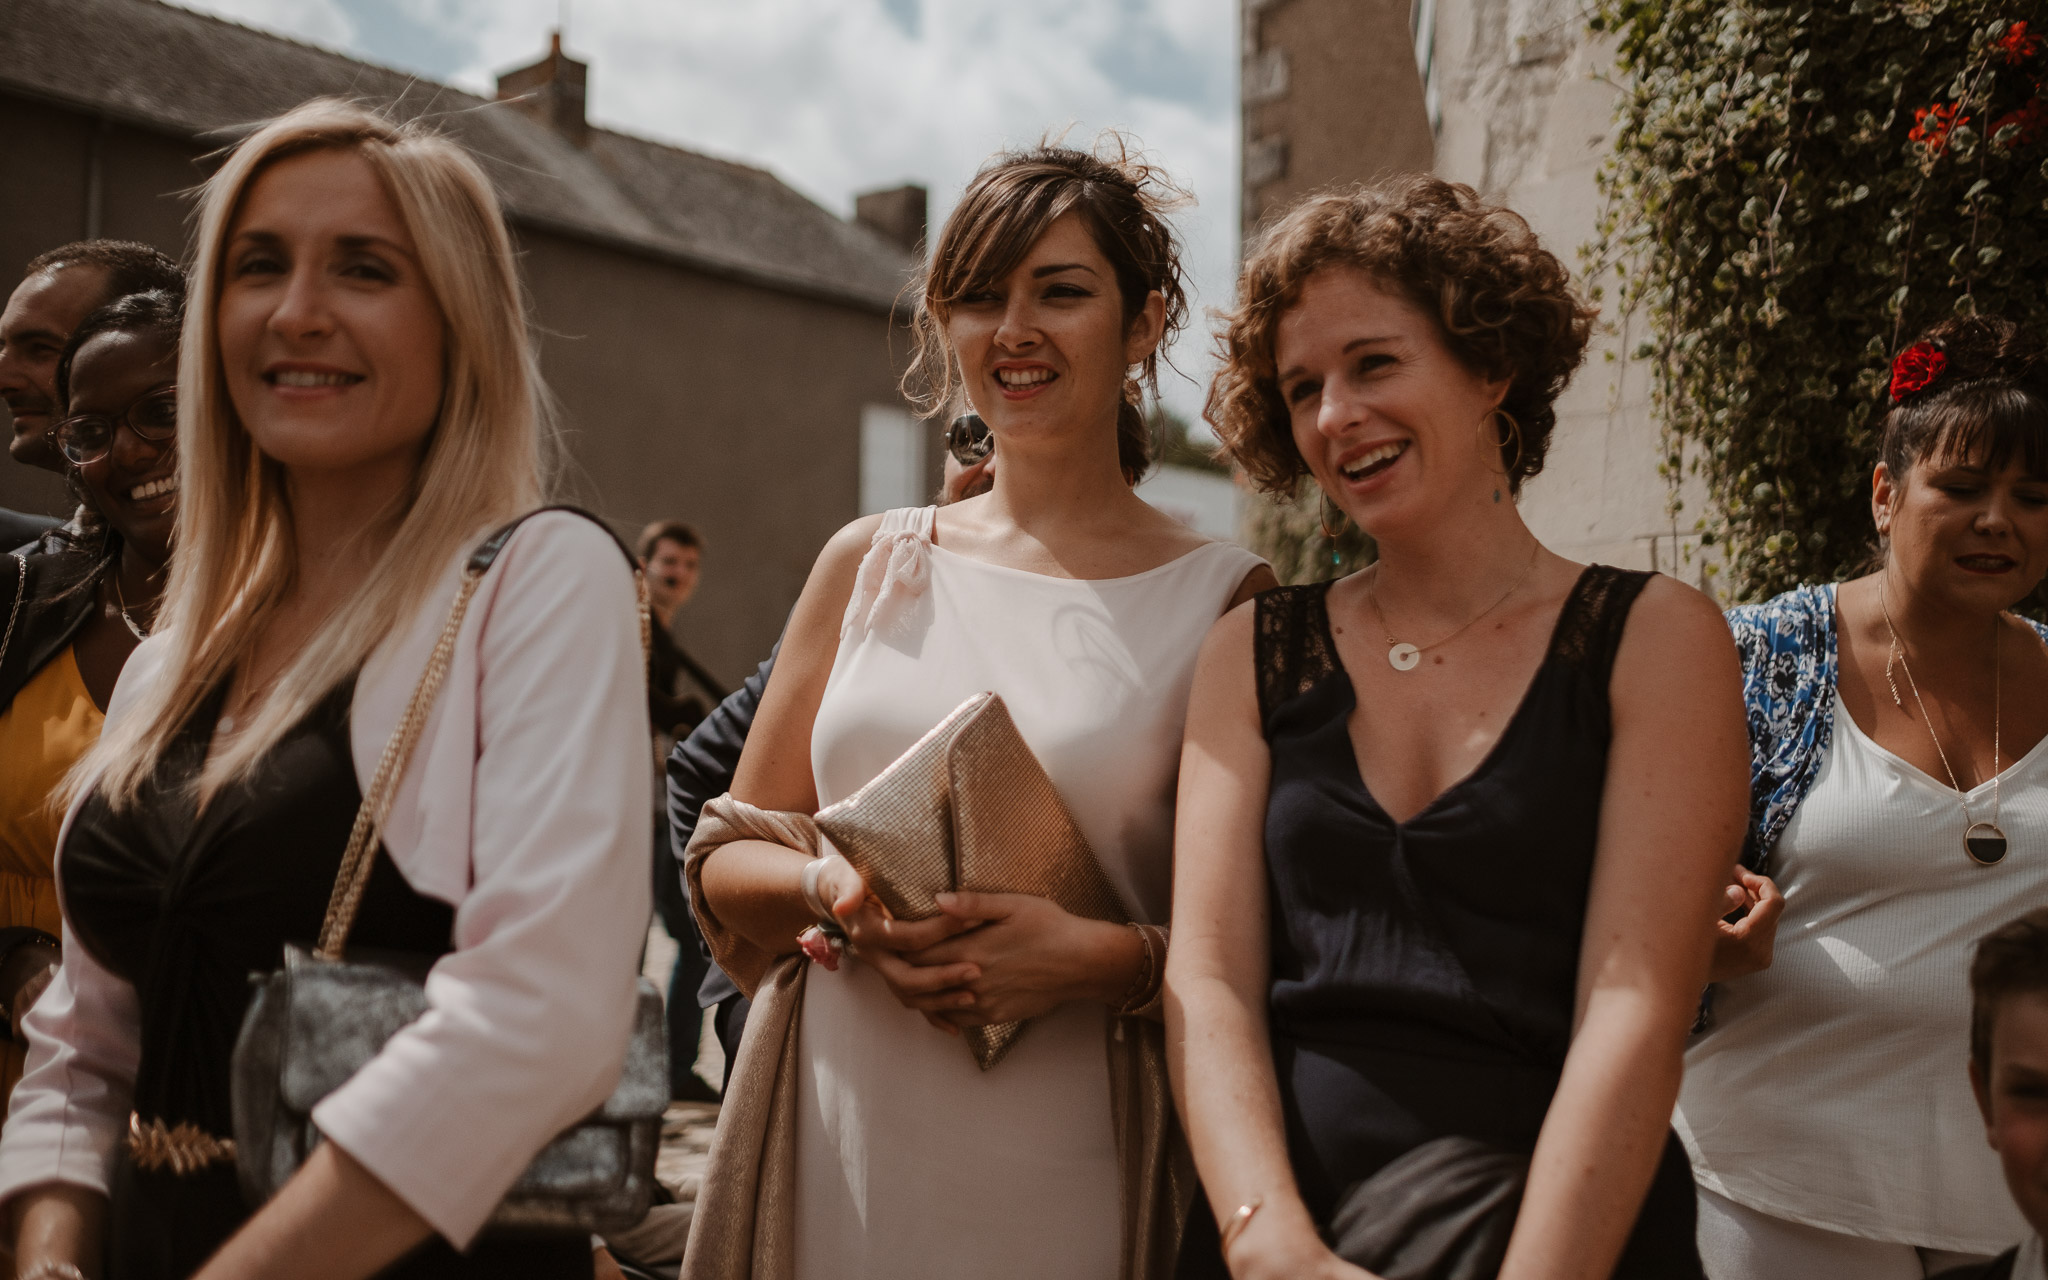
969, 807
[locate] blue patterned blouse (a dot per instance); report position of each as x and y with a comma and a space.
1788, 681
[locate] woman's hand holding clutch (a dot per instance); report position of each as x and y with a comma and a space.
878, 939
1029, 956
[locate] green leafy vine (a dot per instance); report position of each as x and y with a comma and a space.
1795, 190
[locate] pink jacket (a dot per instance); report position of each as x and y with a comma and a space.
525, 807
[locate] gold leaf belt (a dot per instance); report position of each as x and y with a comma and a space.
183, 1149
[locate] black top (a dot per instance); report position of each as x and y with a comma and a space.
700, 770
186, 906
1424, 972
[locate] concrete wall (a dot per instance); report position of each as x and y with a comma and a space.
1528, 104
683, 395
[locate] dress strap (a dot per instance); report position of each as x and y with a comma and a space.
1291, 647
1589, 631
897, 567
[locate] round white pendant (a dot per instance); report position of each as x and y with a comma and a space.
1403, 657
1985, 844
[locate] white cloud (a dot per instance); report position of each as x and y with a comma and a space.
839, 96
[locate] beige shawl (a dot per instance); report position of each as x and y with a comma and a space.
745, 1224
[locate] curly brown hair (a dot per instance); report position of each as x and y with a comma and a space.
1006, 208
1504, 306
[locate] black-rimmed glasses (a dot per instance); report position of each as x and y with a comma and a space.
86, 437
968, 439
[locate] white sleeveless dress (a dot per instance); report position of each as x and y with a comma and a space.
911, 1161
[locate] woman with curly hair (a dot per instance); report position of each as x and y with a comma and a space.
1894, 823
1451, 829
1047, 298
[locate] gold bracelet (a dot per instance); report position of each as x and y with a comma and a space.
1238, 1222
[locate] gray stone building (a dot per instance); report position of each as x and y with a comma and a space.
1515, 98
723, 350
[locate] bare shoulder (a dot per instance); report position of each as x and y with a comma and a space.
1676, 639
844, 549
1670, 612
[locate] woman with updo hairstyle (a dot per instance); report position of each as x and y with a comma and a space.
1899, 813
1045, 303
358, 408
1451, 828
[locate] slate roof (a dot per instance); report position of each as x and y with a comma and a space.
167, 69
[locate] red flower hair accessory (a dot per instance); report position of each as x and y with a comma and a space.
1916, 369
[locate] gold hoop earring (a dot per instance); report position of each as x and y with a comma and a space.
1513, 435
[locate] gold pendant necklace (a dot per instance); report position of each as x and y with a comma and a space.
1403, 656
1985, 842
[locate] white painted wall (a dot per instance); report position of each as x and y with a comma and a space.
1527, 104
891, 460
1202, 500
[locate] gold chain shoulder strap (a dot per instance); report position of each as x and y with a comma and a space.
21, 592
360, 856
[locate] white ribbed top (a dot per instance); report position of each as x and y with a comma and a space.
1832, 1089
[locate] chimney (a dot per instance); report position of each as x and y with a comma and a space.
897, 215
552, 91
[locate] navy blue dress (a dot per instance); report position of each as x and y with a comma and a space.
1424, 972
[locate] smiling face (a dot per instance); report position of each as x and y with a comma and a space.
1045, 349
2014, 1100
38, 321
1962, 536
1392, 426
134, 484
331, 341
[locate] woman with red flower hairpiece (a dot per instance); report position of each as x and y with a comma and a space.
1825, 1106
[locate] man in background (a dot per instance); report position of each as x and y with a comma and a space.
57, 291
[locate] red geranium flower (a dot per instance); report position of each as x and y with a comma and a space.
2016, 45
1932, 126
2032, 120
1916, 369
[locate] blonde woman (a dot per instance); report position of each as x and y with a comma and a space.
359, 407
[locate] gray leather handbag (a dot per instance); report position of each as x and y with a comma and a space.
317, 1020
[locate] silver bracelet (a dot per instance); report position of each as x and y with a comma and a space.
823, 913
50, 1269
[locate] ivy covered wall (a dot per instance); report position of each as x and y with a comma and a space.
1797, 189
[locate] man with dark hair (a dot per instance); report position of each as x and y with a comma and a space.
2009, 1073
59, 289
671, 555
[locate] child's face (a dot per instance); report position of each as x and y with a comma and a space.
2015, 1100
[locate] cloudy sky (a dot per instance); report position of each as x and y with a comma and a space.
839, 96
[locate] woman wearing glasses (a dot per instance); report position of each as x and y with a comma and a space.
69, 619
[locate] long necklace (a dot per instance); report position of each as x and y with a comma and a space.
1403, 656
121, 606
1984, 841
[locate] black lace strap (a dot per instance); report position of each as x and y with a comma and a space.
1291, 646
1589, 631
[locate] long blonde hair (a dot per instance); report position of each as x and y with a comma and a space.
488, 457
